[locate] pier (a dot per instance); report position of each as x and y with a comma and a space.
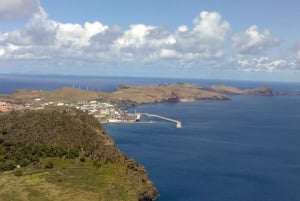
178, 123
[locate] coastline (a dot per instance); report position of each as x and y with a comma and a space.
129, 105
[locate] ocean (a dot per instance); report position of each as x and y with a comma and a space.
243, 149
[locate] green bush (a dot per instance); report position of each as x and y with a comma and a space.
49, 165
73, 153
97, 163
24, 162
18, 172
7, 165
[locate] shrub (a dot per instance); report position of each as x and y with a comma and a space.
24, 162
18, 172
8, 165
97, 163
73, 153
49, 165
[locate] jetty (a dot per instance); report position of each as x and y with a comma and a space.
178, 123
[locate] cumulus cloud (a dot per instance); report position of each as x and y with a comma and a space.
202, 44
43, 38
18, 9
210, 26
46, 38
262, 63
251, 41
207, 38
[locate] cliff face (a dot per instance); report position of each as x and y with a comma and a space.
70, 141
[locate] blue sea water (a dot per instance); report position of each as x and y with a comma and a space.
11, 83
243, 149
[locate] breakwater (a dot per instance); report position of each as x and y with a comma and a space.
178, 123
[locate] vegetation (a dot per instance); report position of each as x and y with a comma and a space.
64, 154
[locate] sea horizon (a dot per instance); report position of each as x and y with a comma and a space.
110, 83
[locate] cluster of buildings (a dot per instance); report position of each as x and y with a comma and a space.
105, 112
5, 106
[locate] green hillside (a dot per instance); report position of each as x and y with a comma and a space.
64, 154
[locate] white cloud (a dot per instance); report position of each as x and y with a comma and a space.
251, 41
210, 26
40, 30
169, 54
46, 38
76, 34
135, 36
151, 43
203, 44
18, 9
182, 28
205, 41
262, 64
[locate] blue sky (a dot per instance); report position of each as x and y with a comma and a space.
249, 40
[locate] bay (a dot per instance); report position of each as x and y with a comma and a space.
245, 149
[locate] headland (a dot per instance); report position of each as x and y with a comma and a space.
28, 115
111, 107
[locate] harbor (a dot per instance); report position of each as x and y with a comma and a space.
178, 123
136, 118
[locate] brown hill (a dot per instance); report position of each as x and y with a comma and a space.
65, 94
126, 95
263, 90
160, 93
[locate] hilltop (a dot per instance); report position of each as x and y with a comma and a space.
64, 154
65, 94
161, 93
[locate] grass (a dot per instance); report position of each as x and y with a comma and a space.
70, 179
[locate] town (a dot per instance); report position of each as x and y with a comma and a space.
103, 111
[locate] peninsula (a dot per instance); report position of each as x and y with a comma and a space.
51, 141
111, 107
126, 95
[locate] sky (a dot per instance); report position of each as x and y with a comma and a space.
236, 40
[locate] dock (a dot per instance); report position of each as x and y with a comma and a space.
178, 123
